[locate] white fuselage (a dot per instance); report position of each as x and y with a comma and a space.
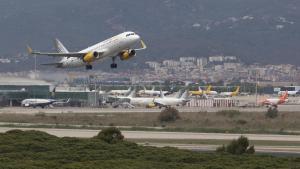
142, 101
36, 102
170, 101
212, 93
274, 101
111, 47
119, 92
226, 93
152, 92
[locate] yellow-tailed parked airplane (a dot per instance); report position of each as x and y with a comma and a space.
230, 94
200, 92
121, 45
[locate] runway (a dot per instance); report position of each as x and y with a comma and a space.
81, 133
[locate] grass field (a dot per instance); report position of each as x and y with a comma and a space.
231, 122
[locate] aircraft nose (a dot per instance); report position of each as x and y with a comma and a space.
137, 38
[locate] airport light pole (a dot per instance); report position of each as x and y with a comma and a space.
34, 94
34, 67
256, 85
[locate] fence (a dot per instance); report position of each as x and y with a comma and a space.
212, 103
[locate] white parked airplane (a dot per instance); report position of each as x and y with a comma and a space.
152, 92
121, 45
141, 101
172, 101
41, 102
120, 92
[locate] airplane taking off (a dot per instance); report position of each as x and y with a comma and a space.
231, 94
274, 102
41, 102
120, 45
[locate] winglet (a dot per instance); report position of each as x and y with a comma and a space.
143, 44
29, 49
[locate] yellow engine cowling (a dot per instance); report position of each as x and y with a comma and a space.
127, 54
151, 105
90, 57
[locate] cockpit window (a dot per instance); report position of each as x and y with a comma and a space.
129, 34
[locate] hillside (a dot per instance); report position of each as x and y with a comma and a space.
264, 31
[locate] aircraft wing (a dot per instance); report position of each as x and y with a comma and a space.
74, 54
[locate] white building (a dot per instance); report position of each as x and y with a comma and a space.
216, 59
230, 58
187, 59
171, 63
232, 66
153, 65
201, 63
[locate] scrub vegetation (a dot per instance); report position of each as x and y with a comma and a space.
34, 150
230, 121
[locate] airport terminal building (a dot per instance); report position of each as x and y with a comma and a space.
14, 89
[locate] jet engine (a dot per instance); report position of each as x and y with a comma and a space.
90, 57
125, 55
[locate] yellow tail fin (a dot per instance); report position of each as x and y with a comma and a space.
208, 88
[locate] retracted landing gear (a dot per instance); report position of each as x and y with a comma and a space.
113, 65
88, 67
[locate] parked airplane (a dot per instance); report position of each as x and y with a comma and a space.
231, 94
292, 90
151, 92
120, 92
274, 102
171, 101
201, 92
142, 101
120, 45
210, 92
290, 93
41, 102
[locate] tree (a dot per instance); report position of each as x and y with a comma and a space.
169, 115
272, 113
110, 135
250, 150
237, 147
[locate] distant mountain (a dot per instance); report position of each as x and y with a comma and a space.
266, 31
